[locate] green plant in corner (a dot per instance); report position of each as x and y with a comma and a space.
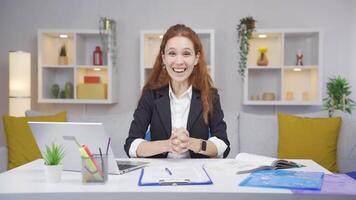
54, 154
338, 92
245, 29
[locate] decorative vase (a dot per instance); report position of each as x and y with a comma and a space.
68, 89
97, 56
55, 90
62, 94
262, 60
63, 60
53, 173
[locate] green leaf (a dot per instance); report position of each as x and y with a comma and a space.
338, 92
54, 154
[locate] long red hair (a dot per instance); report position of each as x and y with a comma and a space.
200, 78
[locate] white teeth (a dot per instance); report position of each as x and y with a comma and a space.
179, 70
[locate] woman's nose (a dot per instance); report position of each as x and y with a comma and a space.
179, 59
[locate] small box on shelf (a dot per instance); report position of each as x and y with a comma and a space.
92, 91
91, 79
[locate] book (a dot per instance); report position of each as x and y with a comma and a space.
286, 179
174, 175
248, 163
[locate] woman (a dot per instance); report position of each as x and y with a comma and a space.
179, 104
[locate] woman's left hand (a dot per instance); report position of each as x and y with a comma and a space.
180, 143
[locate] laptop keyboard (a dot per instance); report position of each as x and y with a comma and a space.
125, 166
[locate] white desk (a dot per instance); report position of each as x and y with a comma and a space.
28, 182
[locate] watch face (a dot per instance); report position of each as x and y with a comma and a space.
203, 145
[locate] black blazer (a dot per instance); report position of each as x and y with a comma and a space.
154, 109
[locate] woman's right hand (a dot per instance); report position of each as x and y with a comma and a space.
178, 142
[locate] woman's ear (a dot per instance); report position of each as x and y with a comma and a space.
162, 54
196, 58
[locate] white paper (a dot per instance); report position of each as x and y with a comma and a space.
247, 161
157, 174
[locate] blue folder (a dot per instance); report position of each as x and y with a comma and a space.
182, 181
285, 179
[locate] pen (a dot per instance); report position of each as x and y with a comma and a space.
107, 147
168, 171
102, 160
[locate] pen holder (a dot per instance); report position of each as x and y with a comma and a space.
95, 169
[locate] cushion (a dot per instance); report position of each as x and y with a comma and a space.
32, 113
258, 134
22, 147
309, 138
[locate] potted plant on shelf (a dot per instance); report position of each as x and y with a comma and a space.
338, 92
245, 28
262, 60
63, 59
53, 167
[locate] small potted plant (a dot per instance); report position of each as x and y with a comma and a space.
262, 60
63, 59
338, 96
245, 28
53, 167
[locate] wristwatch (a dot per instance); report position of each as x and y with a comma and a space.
203, 145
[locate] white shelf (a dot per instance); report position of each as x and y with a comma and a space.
80, 46
149, 46
290, 84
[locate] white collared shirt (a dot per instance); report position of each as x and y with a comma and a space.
179, 118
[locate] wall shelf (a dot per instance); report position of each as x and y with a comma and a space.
290, 84
80, 45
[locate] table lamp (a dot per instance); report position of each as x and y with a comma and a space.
19, 83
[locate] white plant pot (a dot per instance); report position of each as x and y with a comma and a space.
53, 173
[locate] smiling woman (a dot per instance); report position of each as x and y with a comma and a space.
179, 104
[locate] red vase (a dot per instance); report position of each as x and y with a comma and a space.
97, 56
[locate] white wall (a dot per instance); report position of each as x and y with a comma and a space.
20, 19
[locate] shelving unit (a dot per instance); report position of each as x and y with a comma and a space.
282, 82
150, 41
80, 45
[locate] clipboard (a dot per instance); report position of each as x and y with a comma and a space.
175, 181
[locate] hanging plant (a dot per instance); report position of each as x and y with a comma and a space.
338, 91
244, 29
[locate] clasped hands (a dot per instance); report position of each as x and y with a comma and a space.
180, 142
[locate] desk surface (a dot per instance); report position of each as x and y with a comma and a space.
28, 182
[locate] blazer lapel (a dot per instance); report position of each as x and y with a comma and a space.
164, 110
196, 108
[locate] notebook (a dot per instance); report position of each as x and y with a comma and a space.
93, 135
248, 163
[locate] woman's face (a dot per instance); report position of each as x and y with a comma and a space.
179, 58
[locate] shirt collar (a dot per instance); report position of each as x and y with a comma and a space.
186, 94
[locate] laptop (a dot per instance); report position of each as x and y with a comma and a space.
93, 135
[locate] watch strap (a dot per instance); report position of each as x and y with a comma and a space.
203, 145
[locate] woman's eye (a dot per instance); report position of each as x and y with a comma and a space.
187, 53
171, 53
